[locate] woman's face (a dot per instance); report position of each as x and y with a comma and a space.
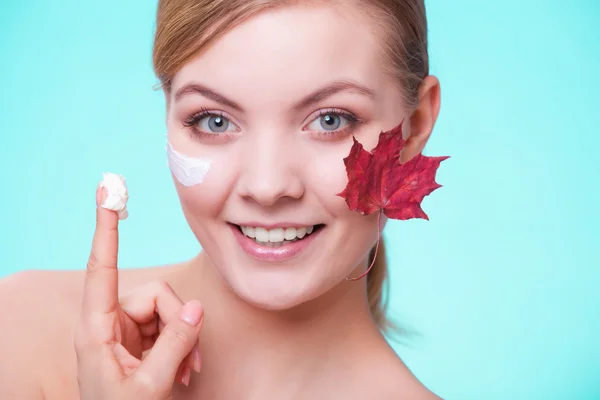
273, 104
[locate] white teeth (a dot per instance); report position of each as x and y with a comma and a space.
248, 231
290, 233
276, 236
261, 234
301, 232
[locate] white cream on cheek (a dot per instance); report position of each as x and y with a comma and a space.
188, 171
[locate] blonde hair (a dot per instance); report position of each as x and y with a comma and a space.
185, 27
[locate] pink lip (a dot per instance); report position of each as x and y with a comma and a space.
273, 254
277, 225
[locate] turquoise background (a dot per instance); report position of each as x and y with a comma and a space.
500, 284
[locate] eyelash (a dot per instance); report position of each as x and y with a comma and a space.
353, 122
192, 121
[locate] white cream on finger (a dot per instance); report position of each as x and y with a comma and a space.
116, 194
188, 171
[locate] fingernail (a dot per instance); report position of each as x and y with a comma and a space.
185, 378
191, 313
196, 356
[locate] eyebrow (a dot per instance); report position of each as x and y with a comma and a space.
196, 88
331, 89
314, 97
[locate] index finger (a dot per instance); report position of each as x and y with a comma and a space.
101, 277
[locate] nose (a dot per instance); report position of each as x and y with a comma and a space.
271, 171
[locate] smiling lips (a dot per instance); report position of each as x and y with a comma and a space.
276, 244
277, 235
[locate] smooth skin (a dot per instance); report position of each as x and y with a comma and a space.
254, 331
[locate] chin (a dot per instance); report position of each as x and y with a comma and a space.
281, 265
276, 289
279, 270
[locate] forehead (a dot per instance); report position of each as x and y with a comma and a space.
289, 50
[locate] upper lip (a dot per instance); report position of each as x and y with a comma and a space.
275, 225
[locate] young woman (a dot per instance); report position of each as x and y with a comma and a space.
263, 99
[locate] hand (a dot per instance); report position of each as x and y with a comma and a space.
111, 335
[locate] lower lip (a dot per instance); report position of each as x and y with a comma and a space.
273, 254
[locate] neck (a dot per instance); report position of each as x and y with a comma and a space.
274, 349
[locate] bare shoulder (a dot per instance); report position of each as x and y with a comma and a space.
403, 384
20, 339
393, 380
40, 309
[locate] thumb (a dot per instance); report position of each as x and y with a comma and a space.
159, 368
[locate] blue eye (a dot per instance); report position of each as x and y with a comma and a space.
208, 123
331, 121
214, 124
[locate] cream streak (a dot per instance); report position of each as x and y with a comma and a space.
188, 171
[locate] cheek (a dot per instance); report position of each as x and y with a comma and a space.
208, 198
326, 177
202, 193
355, 234
202, 204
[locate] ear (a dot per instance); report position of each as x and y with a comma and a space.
422, 119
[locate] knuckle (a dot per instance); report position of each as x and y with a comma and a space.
144, 383
159, 286
148, 291
92, 263
175, 337
112, 229
97, 264
93, 330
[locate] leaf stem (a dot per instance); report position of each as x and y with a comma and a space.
376, 248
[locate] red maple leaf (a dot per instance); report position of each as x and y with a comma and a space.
378, 182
